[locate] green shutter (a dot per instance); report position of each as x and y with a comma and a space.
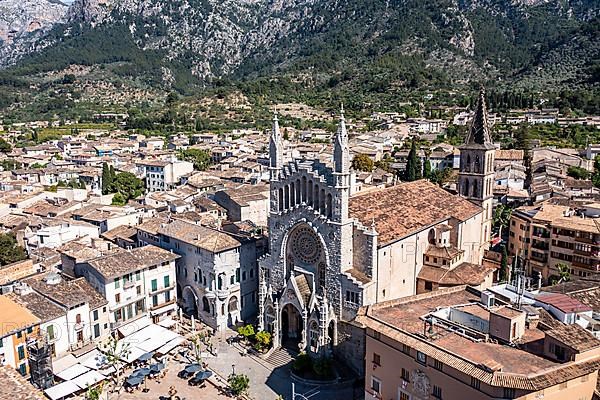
154, 285
167, 281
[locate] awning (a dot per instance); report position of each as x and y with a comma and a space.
134, 326
163, 310
72, 372
88, 379
63, 363
170, 345
62, 390
93, 360
133, 354
167, 323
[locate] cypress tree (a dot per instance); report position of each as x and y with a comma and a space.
427, 169
413, 164
503, 266
106, 179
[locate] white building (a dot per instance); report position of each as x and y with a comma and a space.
136, 283
163, 175
71, 312
55, 235
217, 276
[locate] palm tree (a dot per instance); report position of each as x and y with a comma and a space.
563, 272
502, 215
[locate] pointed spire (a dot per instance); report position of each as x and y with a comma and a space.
275, 145
341, 154
275, 132
479, 132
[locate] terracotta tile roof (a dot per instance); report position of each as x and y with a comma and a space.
16, 387
574, 336
401, 321
200, 236
38, 305
69, 293
447, 252
125, 261
122, 231
401, 210
463, 274
563, 302
516, 155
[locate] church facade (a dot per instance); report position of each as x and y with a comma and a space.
331, 252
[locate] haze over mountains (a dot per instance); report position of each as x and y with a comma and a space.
393, 43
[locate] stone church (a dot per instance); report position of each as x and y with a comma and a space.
331, 251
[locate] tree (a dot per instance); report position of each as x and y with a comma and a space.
107, 179
563, 272
427, 169
286, 134
115, 351
362, 162
413, 164
5, 147
263, 340
118, 200
504, 271
578, 172
128, 185
596, 174
238, 383
247, 331
501, 217
201, 159
10, 251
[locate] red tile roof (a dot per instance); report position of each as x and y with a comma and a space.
563, 302
401, 210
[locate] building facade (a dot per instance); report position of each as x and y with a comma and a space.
449, 345
331, 252
136, 283
217, 274
549, 236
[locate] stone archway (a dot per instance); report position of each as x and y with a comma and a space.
190, 301
291, 326
233, 311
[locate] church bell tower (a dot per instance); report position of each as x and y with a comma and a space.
476, 173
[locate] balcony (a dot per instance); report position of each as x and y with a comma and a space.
540, 245
162, 289
539, 257
161, 305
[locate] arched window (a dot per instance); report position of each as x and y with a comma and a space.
220, 282
468, 166
329, 206
309, 194
316, 199
466, 188
205, 305
280, 199
304, 189
323, 200
431, 236
475, 189
292, 194
298, 192
477, 165
286, 196
322, 270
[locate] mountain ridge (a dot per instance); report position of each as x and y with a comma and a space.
398, 43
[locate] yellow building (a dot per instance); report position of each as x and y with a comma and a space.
16, 325
450, 345
548, 235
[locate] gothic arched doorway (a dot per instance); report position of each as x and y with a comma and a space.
291, 326
190, 301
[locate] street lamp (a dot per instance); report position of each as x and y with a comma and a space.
233, 369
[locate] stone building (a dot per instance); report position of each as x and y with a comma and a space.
331, 252
476, 171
